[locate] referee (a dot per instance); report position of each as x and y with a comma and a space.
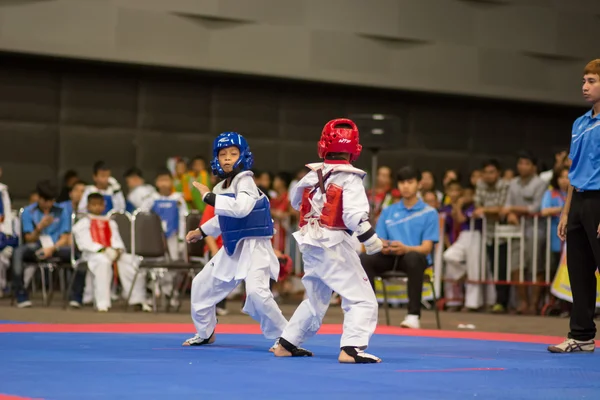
580, 220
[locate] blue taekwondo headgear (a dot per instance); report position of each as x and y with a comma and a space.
229, 139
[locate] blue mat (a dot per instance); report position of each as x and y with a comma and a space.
65, 366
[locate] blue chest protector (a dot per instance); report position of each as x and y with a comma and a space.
130, 208
256, 224
169, 215
108, 203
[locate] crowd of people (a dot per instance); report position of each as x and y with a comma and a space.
400, 205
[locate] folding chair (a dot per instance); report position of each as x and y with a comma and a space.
402, 277
148, 242
51, 264
77, 264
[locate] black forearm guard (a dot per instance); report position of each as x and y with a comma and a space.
210, 198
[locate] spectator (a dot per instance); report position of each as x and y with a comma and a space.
552, 205
427, 183
181, 180
139, 191
463, 253
431, 199
450, 175
508, 175
75, 195
69, 179
45, 229
561, 160
524, 199
199, 172
6, 224
490, 197
101, 245
33, 197
409, 229
475, 177
107, 186
263, 180
280, 209
384, 190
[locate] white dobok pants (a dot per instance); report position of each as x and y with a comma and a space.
464, 257
336, 269
100, 269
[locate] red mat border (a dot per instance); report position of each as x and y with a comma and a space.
253, 329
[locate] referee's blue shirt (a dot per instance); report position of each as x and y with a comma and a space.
411, 226
585, 153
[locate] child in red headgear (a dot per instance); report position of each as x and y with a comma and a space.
333, 205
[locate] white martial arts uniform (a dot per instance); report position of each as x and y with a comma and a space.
331, 262
113, 197
140, 195
253, 261
172, 211
94, 233
6, 227
464, 256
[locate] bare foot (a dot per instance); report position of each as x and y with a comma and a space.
363, 358
279, 351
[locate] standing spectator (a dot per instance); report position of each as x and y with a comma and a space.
409, 229
75, 194
431, 199
45, 232
524, 199
490, 197
561, 160
552, 205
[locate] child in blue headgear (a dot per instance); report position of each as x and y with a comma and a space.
243, 219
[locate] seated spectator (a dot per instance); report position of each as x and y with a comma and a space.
508, 175
431, 199
139, 191
280, 209
107, 186
462, 256
475, 177
100, 243
385, 193
75, 194
552, 205
33, 197
172, 209
6, 224
46, 230
427, 183
69, 179
409, 229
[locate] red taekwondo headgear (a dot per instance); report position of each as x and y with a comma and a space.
340, 136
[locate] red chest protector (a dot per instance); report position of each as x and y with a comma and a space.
100, 231
331, 215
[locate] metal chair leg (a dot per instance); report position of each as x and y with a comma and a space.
70, 286
51, 268
43, 273
386, 306
137, 272
435, 308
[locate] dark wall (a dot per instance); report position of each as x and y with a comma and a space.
61, 114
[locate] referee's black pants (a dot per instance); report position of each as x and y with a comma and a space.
583, 257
